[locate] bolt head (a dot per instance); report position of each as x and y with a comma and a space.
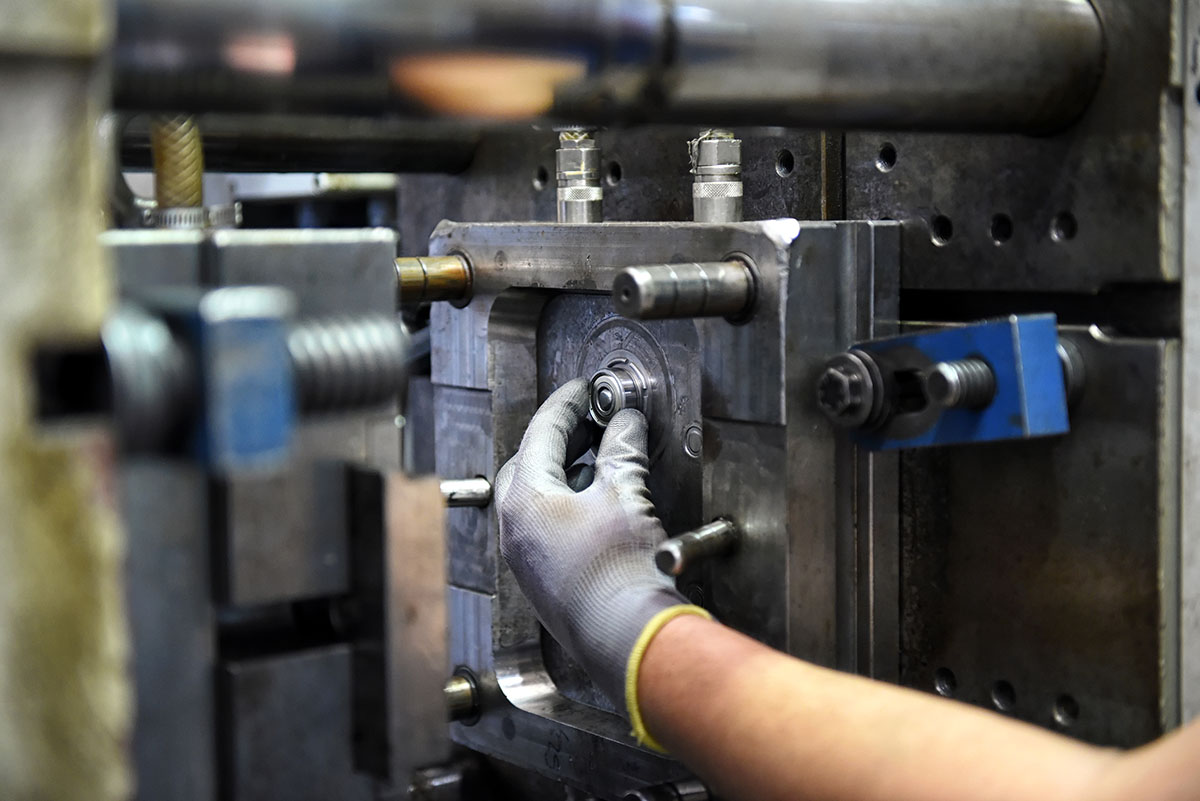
840, 391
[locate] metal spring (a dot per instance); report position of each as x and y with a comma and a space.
346, 363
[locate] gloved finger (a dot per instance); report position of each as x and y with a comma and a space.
621, 459
581, 440
503, 479
580, 477
543, 453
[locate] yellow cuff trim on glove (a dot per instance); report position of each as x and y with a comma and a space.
635, 664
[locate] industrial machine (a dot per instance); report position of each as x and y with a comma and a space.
907, 290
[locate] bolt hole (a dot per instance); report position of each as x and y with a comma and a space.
941, 230
1004, 697
1064, 228
785, 163
1198, 93
541, 177
886, 161
1066, 711
614, 173
626, 294
1002, 228
945, 682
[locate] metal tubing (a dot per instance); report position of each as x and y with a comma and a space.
678, 553
467, 492
432, 278
1016, 65
668, 291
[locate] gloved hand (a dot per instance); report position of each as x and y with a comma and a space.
585, 560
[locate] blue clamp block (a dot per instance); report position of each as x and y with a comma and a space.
1031, 394
245, 411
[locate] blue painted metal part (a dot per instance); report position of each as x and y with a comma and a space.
1031, 395
245, 412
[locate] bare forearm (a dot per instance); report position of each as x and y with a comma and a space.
758, 724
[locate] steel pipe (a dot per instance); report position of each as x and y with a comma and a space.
1017, 65
1028, 65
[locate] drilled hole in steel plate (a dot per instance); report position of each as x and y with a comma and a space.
541, 177
941, 229
945, 682
785, 163
1064, 227
886, 161
1004, 696
1066, 711
1001, 228
614, 173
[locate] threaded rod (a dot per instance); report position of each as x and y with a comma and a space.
346, 363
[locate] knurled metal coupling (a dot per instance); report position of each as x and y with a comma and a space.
716, 158
580, 192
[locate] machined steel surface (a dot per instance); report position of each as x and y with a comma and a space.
785, 174
1085, 525
1041, 213
1189, 456
718, 447
400, 652
290, 729
172, 629
1032, 64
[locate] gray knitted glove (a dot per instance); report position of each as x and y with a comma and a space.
585, 560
